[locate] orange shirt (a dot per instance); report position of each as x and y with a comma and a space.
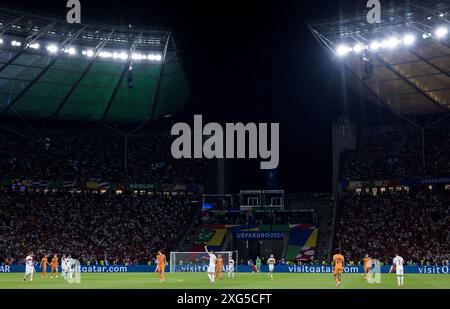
55, 262
161, 258
367, 262
44, 261
338, 260
219, 263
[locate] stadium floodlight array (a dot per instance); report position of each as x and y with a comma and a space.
34, 45
16, 43
116, 55
392, 42
198, 261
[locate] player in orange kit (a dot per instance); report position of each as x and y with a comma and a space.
54, 266
219, 266
161, 267
367, 265
338, 262
44, 263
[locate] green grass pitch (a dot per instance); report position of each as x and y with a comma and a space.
241, 281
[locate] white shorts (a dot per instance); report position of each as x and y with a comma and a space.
399, 271
211, 268
29, 269
230, 269
271, 268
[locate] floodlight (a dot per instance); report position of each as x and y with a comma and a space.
16, 43
88, 52
342, 50
392, 43
441, 32
136, 56
153, 57
358, 48
70, 51
105, 54
35, 45
123, 56
409, 39
52, 49
375, 45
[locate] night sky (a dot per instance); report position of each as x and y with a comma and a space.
252, 61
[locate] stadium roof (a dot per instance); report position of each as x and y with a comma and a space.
52, 69
402, 62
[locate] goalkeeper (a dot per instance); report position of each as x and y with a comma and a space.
258, 264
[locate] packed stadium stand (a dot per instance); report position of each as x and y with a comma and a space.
83, 170
114, 229
413, 224
396, 152
81, 155
391, 181
395, 197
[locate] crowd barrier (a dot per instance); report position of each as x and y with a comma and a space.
240, 268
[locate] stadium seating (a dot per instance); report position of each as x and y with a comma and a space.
413, 224
396, 152
92, 227
96, 154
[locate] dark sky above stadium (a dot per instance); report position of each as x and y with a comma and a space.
252, 60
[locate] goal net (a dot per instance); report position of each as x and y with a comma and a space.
198, 261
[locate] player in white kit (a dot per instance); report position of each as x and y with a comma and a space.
212, 265
29, 267
230, 267
64, 267
69, 267
398, 264
271, 262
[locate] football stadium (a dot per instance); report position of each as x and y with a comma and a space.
158, 148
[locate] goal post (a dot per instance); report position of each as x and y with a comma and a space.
198, 261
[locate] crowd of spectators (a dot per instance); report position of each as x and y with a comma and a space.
413, 224
114, 229
81, 155
394, 153
261, 217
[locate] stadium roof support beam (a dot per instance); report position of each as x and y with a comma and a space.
435, 13
28, 41
157, 87
403, 78
160, 75
98, 50
9, 25
128, 67
64, 44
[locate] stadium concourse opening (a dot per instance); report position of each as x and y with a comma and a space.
91, 195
